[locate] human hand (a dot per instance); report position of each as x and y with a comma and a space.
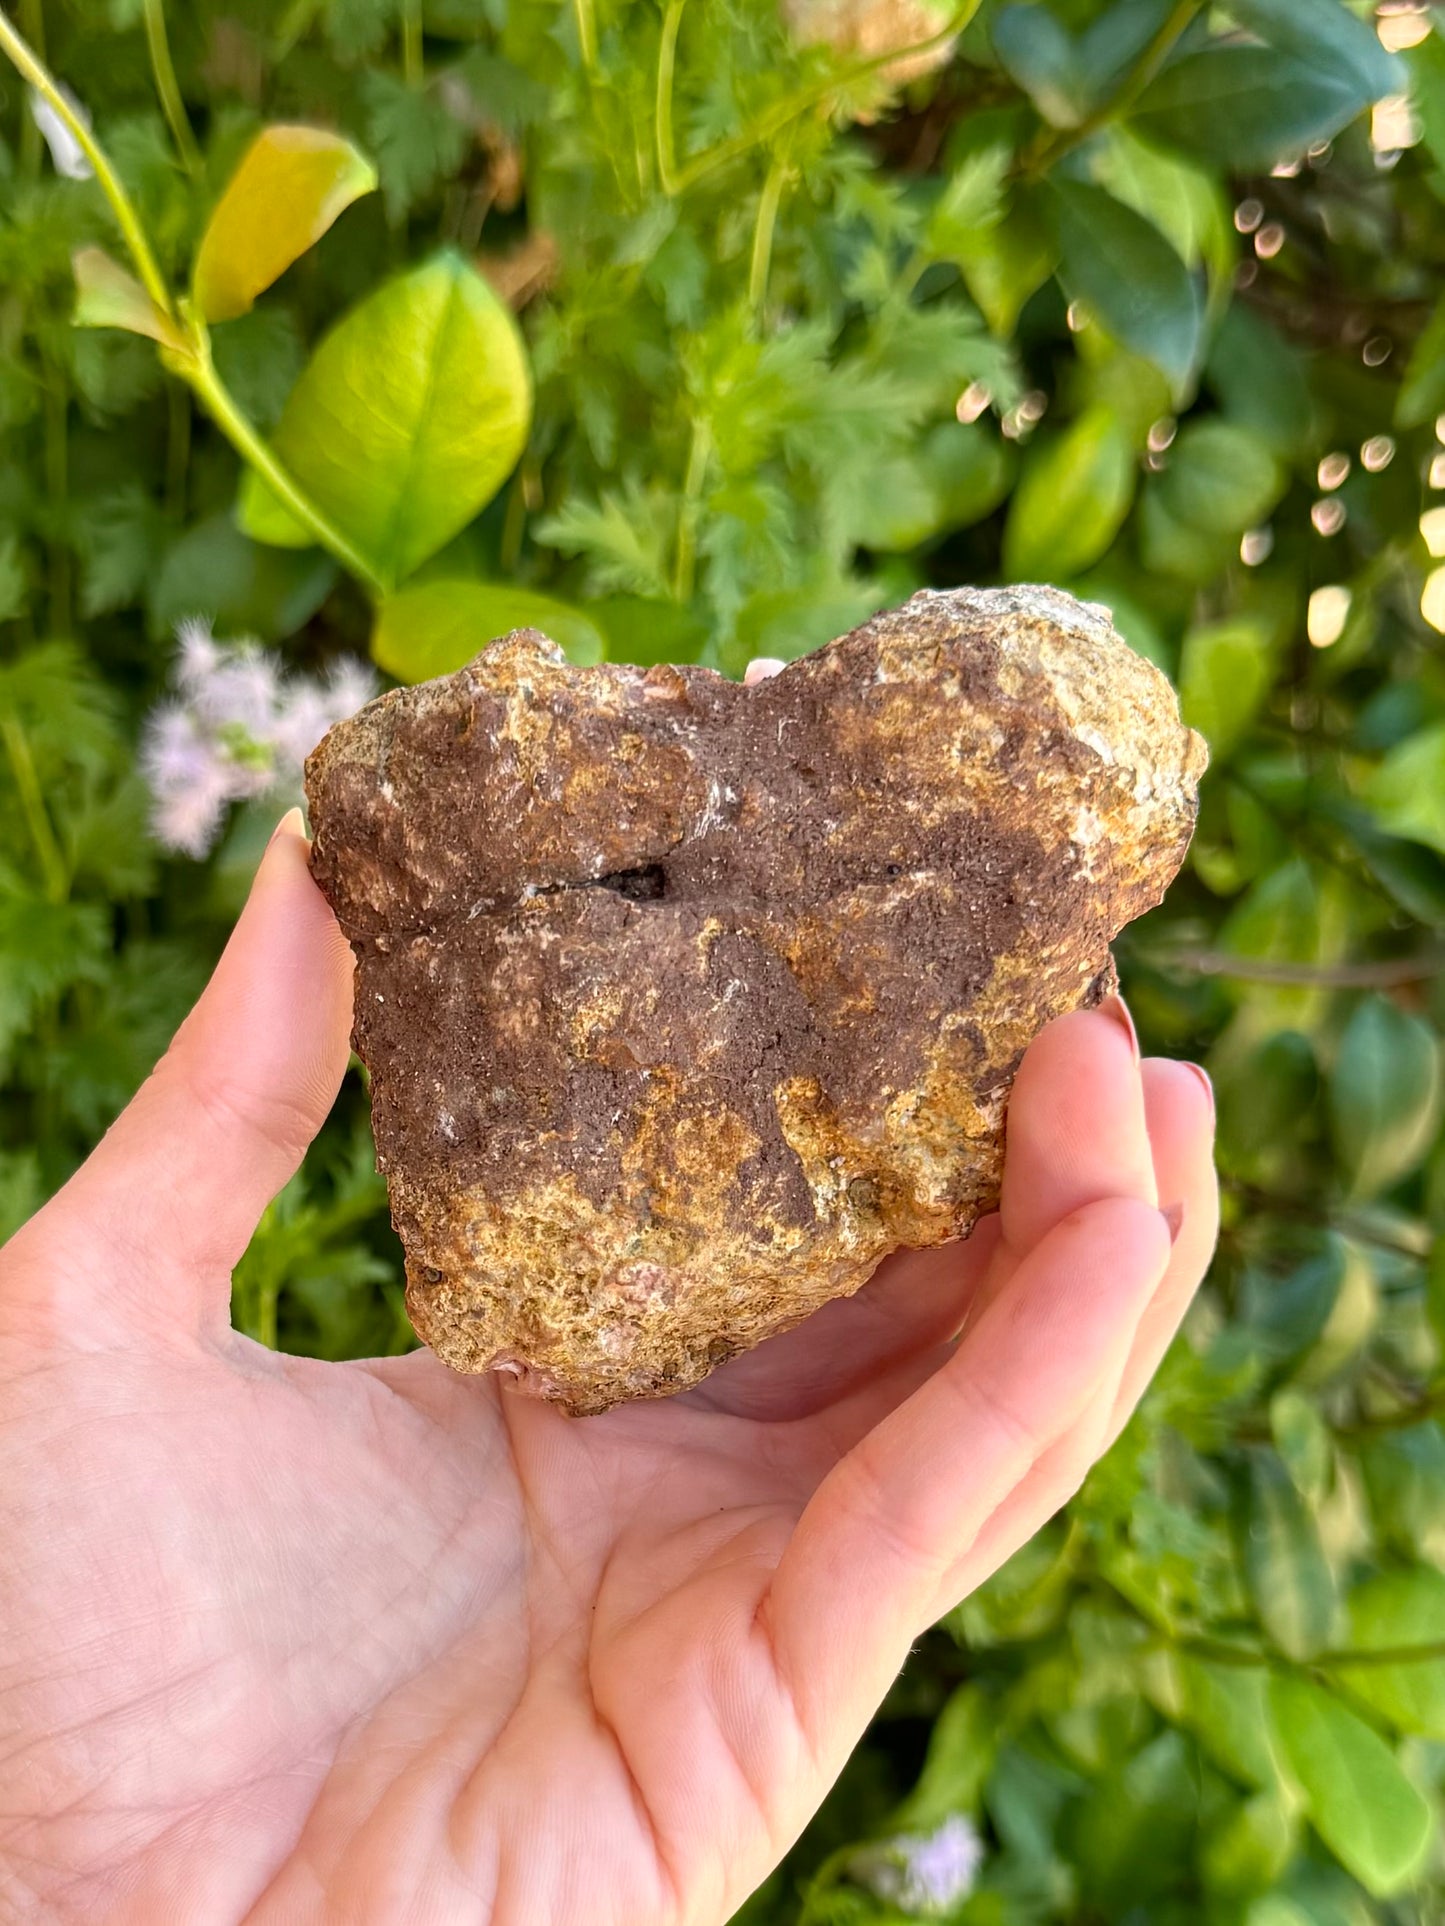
283, 1640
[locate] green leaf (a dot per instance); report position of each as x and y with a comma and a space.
1422, 392
1328, 36
1180, 198
1427, 76
1225, 671
971, 202
1221, 478
107, 297
1006, 262
1289, 1577
643, 630
1260, 380
1226, 1708
411, 414
1042, 57
1248, 107
1121, 267
291, 185
1385, 1095
1302, 1439
1407, 792
1071, 501
246, 589
1405, 1477
416, 140
1388, 1611
960, 1758
1358, 1799
436, 627
1251, 1846
1352, 1320
47, 947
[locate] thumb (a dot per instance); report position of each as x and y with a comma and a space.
179, 1182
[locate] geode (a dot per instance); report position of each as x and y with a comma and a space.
685, 1002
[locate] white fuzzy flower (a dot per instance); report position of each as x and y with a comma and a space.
926, 1874
175, 752
241, 692
201, 653
350, 685
305, 713
187, 820
65, 150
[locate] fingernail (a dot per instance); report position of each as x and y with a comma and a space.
1174, 1218
293, 823
1203, 1076
1118, 1009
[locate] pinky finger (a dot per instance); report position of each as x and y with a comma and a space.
891, 1523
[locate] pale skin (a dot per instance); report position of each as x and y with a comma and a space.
285, 1641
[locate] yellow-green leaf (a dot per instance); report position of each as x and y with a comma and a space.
290, 186
1374, 1819
1395, 1611
107, 297
408, 418
439, 626
1224, 674
1071, 500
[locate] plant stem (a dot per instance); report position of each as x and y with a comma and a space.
676, 180
1383, 974
586, 33
768, 203
683, 573
666, 63
38, 75
200, 372
168, 88
32, 805
1051, 147
413, 66
57, 489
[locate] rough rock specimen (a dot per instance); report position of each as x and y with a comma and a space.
686, 1002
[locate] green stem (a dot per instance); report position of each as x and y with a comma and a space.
586, 33
1051, 147
666, 64
38, 75
1428, 1654
768, 204
413, 66
683, 573
168, 88
200, 372
776, 117
32, 805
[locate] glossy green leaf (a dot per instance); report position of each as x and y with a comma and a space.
960, 1757
1221, 478
1302, 1439
290, 186
1006, 262
246, 589
1260, 380
411, 414
436, 627
1422, 392
1385, 1095
1135, 1825
1071, 500
1248, 107
1251, 1846
1227, 1709
1225, 671
1176, 195
1405, 1477
1351, 1324
1388, 1612
1289, 1576
1127, 274
1427, 87
1406, 794
106, 296
1358, 1799
1325, 34
1042, 57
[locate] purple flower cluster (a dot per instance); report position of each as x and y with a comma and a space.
926, 1874
235, 728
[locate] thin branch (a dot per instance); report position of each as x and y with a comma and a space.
168, 88
1053, 146
43, 81
1384, 973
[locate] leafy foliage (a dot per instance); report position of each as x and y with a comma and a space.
1140, 297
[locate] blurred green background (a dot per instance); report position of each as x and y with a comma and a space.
1136, 296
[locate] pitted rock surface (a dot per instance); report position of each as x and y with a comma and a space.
685, 1002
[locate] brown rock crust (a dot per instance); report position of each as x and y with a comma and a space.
685, 1002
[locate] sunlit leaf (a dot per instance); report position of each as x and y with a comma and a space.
435, 627
107, 297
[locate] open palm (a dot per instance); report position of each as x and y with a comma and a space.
291, 1641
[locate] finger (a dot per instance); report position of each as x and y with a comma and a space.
914, 1301
181, 1179
894, 1518
1076, 1127
1179, 1106
761, 667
